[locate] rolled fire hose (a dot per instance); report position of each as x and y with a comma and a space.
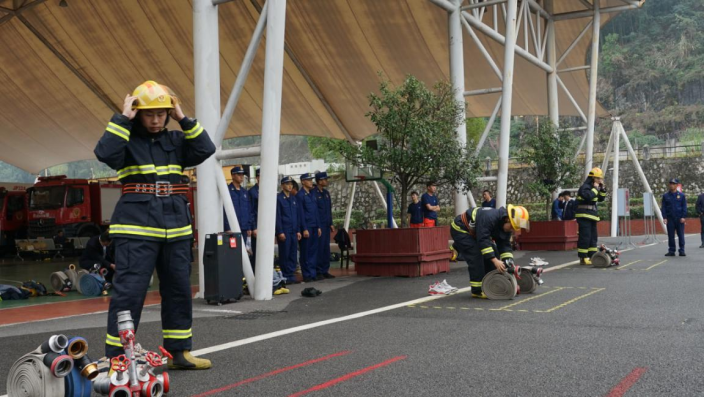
80, 274
31, 377
527, 283
601, 259
76, 385
61, 282
498, 285
91, 284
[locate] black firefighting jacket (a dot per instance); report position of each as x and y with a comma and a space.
588, 197
142, 157
486, 225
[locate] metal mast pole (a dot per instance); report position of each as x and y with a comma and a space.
615, 181
457, 78
507, 80
592, 96
552, 76
271, 122
207, 87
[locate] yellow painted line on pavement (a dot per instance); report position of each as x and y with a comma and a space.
564, 304
529, 299
656, 264
628, 264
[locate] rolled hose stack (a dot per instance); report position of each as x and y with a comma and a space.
79, 275
91, 284
498, 285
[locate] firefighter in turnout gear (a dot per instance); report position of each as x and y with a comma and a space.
482, 237
151, 225
590, 193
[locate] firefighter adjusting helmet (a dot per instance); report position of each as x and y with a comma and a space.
518, 216
596, 173
152, 95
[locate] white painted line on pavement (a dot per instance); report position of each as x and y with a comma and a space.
275, 334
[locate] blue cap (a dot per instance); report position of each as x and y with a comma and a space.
307, 176
237, 170
287, 179
675, 180
321, 175
257, 172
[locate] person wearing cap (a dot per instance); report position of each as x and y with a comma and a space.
325, 214
151, 225
590, 193
241, 202
429, 204
674, 210
699, 210
254, 204
482, 236
311, 227
288, 228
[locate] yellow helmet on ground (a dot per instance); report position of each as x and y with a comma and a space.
518, 216
152, 95
596, 173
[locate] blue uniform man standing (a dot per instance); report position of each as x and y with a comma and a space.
241, 202
699, 210
325, 214
429, 204
674, 210
311, 227
288, 229
254, 204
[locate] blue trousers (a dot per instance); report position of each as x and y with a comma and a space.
324, 251
308, 255
287, 255
135, 261
675, 226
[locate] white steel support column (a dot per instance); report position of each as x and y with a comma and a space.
207, 86
552, 76
271, 121
348, 211
457, 78
615, 181
592, 96
506, 117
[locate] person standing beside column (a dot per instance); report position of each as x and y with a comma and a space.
674, 210
325, 214
429, 204
311, 228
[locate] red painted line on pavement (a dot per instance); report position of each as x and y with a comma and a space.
627, 382
347, 377
272, 373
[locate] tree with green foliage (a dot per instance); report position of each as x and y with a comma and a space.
416, 138
549, 152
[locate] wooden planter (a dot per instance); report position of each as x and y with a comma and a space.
402, 252
550, 236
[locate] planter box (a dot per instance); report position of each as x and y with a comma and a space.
550, 236
402, 252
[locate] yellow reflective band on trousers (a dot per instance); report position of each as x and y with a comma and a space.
588, 216
194, 132
112, 341
506, 255
457, 228
582, 251
150, 169
592, 249
176, 333
118, 130
487, 250
476, 283
150, 231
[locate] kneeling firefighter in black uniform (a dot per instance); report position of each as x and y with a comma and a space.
151, 225
482, 237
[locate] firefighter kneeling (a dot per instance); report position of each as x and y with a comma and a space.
473, 234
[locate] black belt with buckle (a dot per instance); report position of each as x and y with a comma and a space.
159, 189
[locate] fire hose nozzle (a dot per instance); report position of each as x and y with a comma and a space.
72, 266
102, 386
120, 391
87, 367
77, 347
56, 344
164, 378
153, 388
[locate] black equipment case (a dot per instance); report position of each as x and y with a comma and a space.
222, 266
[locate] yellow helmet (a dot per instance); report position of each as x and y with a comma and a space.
596, 173
152, 95
518, 216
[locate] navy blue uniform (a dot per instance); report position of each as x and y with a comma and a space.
254, 204
325, 216
150, 231
673, 208
416, 213
586, 215
288, 223
699, 210
96, 253
479, 244
489, 204
311, 222
433, 201
243, 211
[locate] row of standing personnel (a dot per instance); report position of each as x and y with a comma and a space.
304, 222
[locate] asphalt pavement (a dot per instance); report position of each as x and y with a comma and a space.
633, 330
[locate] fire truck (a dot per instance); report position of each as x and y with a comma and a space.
79, 207
13, 213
